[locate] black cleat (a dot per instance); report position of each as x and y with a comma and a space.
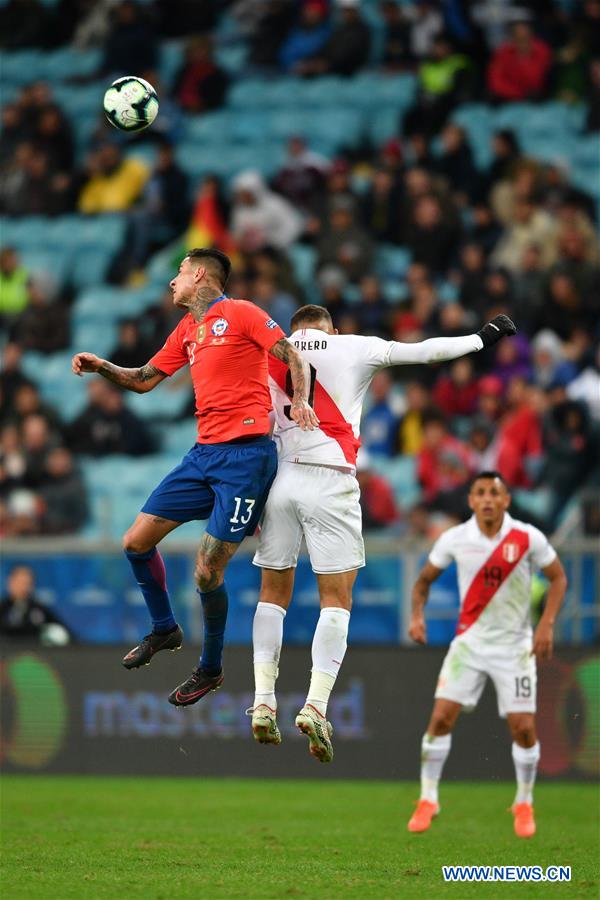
151, 644
197, 685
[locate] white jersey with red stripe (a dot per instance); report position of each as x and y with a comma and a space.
494, 578
342, 366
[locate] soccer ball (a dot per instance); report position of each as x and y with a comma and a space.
130, 103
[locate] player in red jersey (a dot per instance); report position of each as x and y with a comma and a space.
226, 476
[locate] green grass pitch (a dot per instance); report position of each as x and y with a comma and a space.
88, 837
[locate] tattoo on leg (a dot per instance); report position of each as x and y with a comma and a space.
213, 556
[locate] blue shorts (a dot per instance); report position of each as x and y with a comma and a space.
228, 484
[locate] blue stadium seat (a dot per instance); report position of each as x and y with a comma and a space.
303, 259
53, 265
179, 437
57, 384
586, 151
395, 291
164, 402
232, 58
68, 62
21, 66
248, 126
383, 125
392, 262
246, 93
78, 100
106, 230
548, 148
171, 60
103, 303
88, 336
401, 472
208, 128
327, 91
371, 89
89, 266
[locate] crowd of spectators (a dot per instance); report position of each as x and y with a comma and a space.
517, 237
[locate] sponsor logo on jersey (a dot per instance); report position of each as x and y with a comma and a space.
220, 327
271, 323
201, 333
511, 552
248, 421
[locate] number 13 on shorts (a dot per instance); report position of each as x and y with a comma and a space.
243, 510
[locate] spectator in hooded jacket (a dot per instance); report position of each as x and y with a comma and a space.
260, 218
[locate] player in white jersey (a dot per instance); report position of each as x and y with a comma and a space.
496, 556
316, 495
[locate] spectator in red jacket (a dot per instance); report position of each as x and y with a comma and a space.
456, 391
443, 462
377, 500
519, 68
519, 436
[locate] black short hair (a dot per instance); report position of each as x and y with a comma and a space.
311, 313
215, 260
433, 416
488, 473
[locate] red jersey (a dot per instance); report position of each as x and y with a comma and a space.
227, 353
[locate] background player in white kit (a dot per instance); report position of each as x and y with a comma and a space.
316, 495
495, 557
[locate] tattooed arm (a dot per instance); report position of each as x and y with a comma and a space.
139, 380
301, 411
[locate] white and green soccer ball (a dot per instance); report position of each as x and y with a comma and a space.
131, 103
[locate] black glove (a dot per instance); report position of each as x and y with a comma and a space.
499, 327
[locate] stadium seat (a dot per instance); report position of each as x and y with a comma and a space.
328, 91
393, 91
383, 124
303, 259
392, 262
178, 437
89, 266
165, 402
57, 384
88, 336
401, 472
50, 265
171, 60
231, 58
103, 303
68, 62
21, 66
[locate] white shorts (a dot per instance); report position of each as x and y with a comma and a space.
320, 504
511, 668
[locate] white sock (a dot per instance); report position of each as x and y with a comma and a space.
526, 762
267, 637
328, 650
434, 752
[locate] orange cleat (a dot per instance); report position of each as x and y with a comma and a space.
524, 820
422, 816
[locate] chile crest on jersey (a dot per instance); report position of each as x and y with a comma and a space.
219, 327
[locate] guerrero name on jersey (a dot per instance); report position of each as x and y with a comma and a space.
342, 366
